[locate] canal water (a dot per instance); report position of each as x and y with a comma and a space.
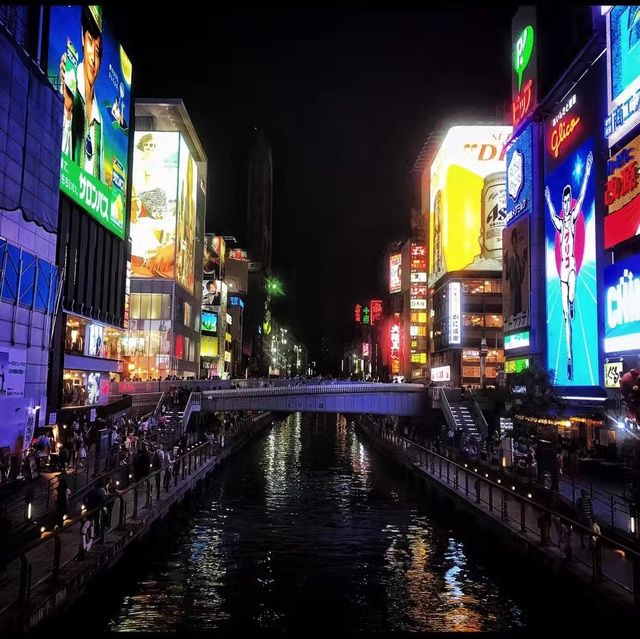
310, 530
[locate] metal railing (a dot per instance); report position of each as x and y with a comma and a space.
478, 417
193, 406
446, 409
606, 559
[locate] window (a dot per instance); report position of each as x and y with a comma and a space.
166, 306
156, 306
187, 314
145, 306
135, 305
470, 319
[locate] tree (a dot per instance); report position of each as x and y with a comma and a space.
532, 394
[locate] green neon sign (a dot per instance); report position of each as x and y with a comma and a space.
522, 52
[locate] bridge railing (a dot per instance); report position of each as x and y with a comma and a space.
604, 559
446, 409
315, 389
193, 406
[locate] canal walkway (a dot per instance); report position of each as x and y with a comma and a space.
612, 567
54, 571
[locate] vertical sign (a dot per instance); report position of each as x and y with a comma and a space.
524, 63
376, 311
454, 313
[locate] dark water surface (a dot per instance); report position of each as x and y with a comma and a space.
308, 529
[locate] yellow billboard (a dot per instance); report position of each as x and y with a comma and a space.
468, 200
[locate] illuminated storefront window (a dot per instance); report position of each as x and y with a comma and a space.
84, 388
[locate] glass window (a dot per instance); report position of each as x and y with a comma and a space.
166, 306
187, 314
471, 319
135, 305
493, 321
145, 306
156, 306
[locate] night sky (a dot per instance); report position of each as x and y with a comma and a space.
346, 98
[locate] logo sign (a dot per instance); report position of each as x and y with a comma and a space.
516, 365
622, 305
520, 177
395, 273
441, 374
612, 374
454, 313
376, 311
621, 196
365, 349
517, 340
524, 63
563, 126
623, 72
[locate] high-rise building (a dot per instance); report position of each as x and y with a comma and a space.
30, 138
168, 204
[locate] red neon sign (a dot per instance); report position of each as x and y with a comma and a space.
522, 103
358, 313
561, 132
376, 311
365, 349
619, 185
418, 250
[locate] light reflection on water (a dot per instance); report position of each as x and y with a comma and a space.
308, 529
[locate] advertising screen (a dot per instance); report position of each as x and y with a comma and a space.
570, 235
516, 365
623, 72
154, 203
455, 322
211, 293
394, 353
622, 305
186, 223
13, 368
517, 340
208, 346
468, 200
395, 273
211, 261
515, 275
520, 175
621, 196
93, 74
209, 322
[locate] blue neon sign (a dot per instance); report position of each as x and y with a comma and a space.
622, 306
520, 175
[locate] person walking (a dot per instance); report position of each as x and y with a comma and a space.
157, 462
168, 467
584, 506
63, 459
112, 492
62, 500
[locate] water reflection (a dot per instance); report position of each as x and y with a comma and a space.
306, 516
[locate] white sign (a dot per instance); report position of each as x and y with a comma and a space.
418, 277
514, 174
418, 304
441, 374
454, 313
13, 368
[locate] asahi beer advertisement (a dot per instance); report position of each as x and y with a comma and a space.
93, 73
468, 200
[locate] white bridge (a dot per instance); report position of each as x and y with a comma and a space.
333, 397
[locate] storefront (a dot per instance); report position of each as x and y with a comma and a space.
85, 388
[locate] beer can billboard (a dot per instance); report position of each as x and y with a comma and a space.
468, 201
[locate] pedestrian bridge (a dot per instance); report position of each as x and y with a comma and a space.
335, 397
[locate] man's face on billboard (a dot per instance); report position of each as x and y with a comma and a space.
92, 52
566, 203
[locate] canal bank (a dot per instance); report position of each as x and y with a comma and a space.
606, 575
54, 572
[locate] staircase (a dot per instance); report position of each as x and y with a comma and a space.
460, 414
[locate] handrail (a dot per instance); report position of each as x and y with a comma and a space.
479, 417
448, 413
193, 406
497, 486
158, 409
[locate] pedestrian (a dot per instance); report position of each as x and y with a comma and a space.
112, 492
584, 506
544, 523
63, 459
157, 462
95, 500
168, 467
62, 500
596, 546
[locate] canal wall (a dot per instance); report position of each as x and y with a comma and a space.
56, 591
516, 544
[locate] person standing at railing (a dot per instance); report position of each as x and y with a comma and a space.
157, 462
168, 467
584, 506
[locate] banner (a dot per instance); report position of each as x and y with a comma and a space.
13, 368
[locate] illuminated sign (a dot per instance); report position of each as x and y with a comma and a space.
236, 301
622, 305
358, 314
520, 175
238, 254
376, 311
208, 346
524, 64
570, 236
441, 374
365, 315
394, 351
227, 356
517, 340
94, 159
516, 275
418, 250
516, 365
468, 201
455, 321
621, 196
229, 319
418, 277
395, 273
365, 349
209, 321
417, 304
419, 291
623, 72
612, 374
